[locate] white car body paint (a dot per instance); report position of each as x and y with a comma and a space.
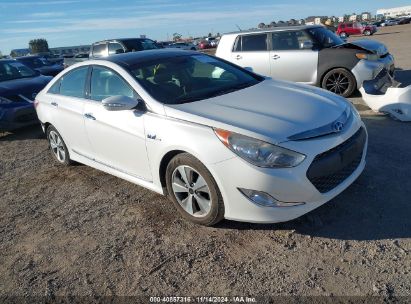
279, 109
395, 102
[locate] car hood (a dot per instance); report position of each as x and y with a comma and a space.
372, 46
24, 86
272, 110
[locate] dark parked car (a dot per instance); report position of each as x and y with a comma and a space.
19, 86
77, 58
118, 46
406, 20
41, 64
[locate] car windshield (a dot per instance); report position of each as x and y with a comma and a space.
10, 70
325, 37
187, 78
140, 44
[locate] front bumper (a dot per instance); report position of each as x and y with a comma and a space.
286, 185
384, 95
15, 117
369, 69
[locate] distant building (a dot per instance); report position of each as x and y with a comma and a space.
365, 16
394, 12
315, 20
70, 49
354, 17
310, 20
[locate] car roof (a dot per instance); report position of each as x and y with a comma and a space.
133, 58
29, 57
275, 29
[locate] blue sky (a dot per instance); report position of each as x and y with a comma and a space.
73, 22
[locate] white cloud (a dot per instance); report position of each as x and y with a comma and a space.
47, 14
151, 20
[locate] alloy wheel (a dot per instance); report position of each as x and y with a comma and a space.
337, 83
191, 191
57, 146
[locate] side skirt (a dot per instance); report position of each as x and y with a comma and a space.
78, 157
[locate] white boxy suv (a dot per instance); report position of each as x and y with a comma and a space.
307, 54
220, 141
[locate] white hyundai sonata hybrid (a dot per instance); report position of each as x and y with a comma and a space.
219, 140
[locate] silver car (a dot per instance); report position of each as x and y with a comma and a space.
307, 54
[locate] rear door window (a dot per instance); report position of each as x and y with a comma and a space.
251, 43
99, 50
115, 48
293, 40
73, 83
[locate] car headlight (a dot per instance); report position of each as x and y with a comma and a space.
367, 56
258, 152
4, 100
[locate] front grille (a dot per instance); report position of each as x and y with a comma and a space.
331, 168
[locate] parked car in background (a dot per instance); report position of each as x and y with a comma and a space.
212, 41
183, 46
75, 59
52, 58
181, 122
406, 20
355, 28
164, 44
41, 64
204, 44
118, 46
307, 54
378, 23
390, 22
19, 86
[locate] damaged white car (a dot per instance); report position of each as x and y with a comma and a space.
384, 94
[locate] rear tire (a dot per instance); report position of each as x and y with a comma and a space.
194, 191
339, 81
367, 33
343, 35
57, 147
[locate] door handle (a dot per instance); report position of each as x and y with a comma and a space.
54, 104
275, 57
89, 116
238, 57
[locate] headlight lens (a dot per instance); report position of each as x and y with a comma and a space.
4, 100
258, 152
367, 56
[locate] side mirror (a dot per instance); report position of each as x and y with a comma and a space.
119, 103
307, 45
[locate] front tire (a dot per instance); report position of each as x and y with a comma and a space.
194, 191
339, 81
57, 146
343, 35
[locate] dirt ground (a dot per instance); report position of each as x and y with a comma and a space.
77, 231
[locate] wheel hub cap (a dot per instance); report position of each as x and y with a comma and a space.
57, 147
191, 191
